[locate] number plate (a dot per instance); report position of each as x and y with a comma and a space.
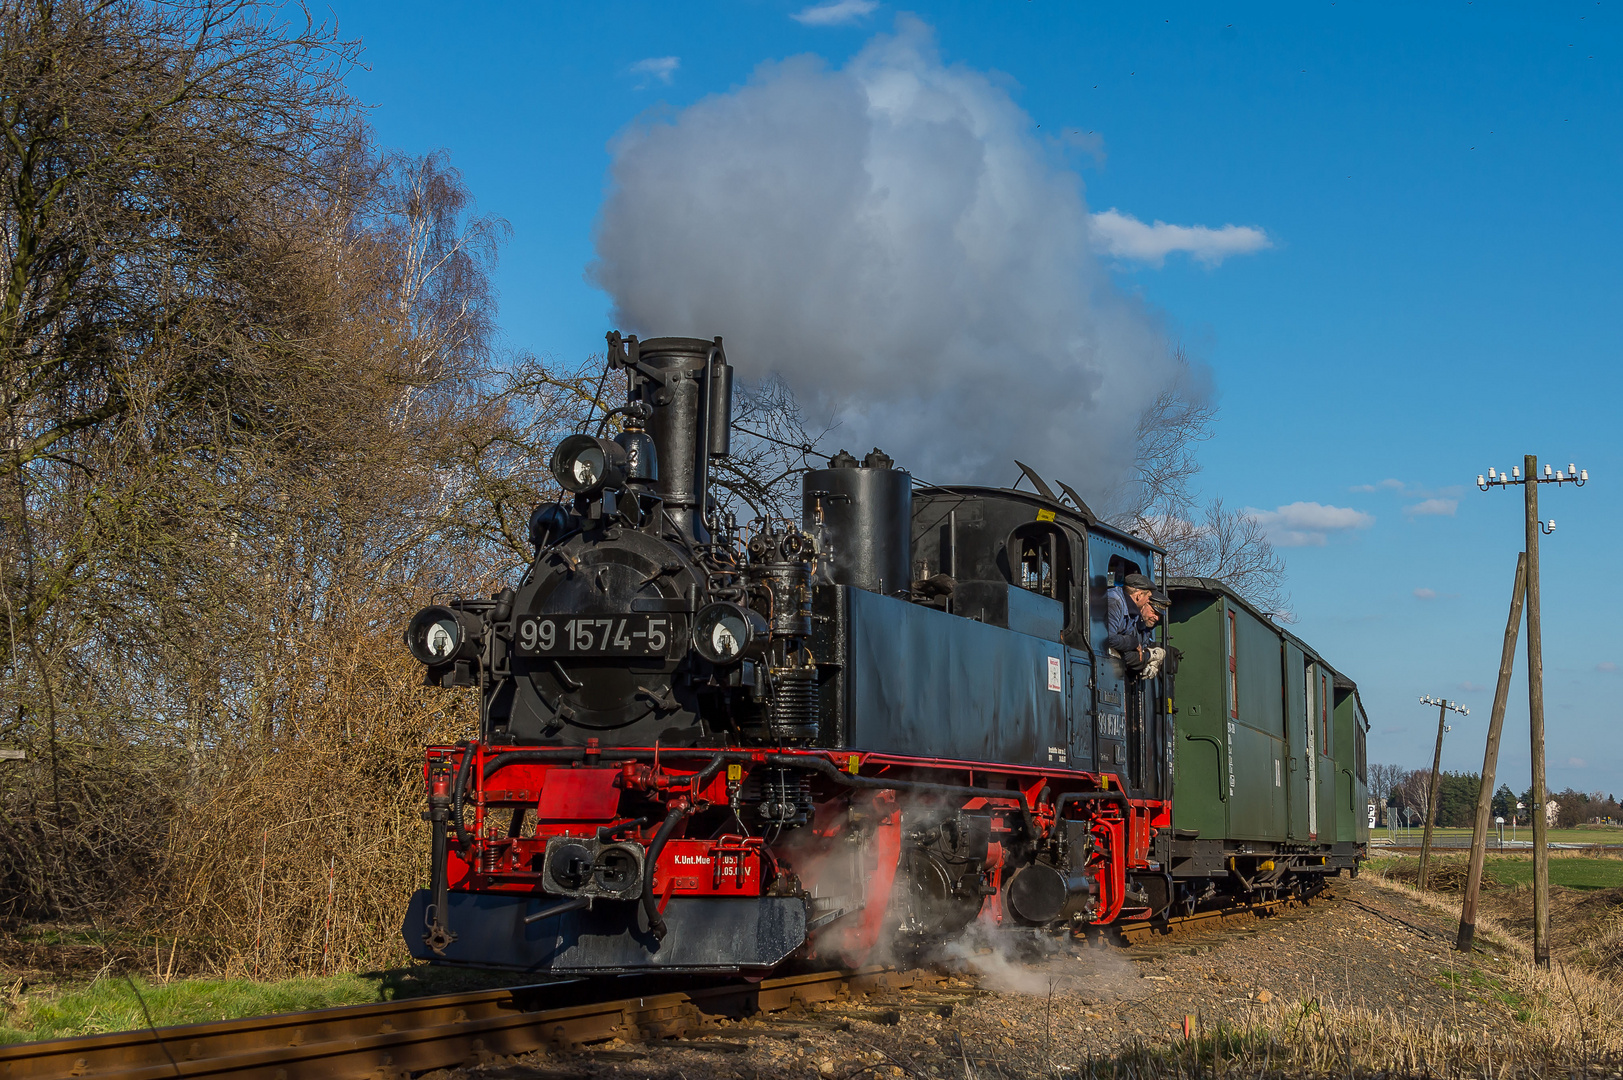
592, 635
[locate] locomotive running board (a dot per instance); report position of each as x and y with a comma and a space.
705, 935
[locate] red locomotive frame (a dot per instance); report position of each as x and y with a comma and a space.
582, 792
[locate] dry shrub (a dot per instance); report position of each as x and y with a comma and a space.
1441, 876
81, 827
1606, 946
1316, 1039
1576, 1013
301, 860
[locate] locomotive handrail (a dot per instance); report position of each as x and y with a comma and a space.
1222, 762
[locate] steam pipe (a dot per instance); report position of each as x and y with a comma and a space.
1116, 796
656, 924
463, 837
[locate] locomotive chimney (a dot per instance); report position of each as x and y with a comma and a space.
689, 384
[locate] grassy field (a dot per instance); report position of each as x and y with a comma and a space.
1587, 834
1512, 870
111, 1004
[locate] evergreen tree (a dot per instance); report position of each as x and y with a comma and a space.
1504, 802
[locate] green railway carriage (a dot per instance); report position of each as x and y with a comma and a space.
1269, 751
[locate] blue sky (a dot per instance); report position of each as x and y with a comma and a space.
1437, 189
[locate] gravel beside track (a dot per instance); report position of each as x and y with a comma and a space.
1356, 945
1031, 1015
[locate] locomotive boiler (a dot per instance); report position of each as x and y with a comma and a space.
708, 747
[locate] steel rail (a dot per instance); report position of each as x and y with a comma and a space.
393, 1039
1137, 932
390, 1040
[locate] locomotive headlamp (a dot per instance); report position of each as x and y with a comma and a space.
440, 635
725, 632
584, 464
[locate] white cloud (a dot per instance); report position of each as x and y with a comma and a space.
1432, 508
1425, 594
1576, 763
836, 13
657, 67
1472, 688
1384, 485
1308, 524
1126, 237
1605, 665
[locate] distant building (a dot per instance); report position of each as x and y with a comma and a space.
1551, 808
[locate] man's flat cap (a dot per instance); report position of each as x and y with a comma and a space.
1138, 581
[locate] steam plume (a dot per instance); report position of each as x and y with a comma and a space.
895, 241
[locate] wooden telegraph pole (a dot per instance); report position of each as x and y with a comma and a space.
1535, 720
1443, 708
1490, 762
1535, 681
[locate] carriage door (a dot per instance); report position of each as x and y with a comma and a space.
1311, 729
1298, 754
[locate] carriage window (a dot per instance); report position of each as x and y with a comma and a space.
1234, 675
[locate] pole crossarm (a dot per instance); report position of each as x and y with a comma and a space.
1573, 475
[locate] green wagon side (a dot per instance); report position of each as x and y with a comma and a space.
1269, 768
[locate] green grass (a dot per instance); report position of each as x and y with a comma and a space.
1573, 873
1585, 834
109, 1004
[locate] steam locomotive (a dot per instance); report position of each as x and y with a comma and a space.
707, 748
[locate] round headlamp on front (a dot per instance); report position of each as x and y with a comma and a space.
725, 632
437, 636
584, 464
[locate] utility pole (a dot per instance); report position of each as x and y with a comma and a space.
1490, 763
1535, 681
1443, 709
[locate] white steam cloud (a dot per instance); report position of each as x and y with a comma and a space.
893, 240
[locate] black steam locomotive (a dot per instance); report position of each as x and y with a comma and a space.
713, 748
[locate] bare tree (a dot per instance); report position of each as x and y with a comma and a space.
1384, 779
771, 448
150, 151
1160, 504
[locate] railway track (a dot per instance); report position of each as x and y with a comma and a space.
1141, 933
392, 1040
